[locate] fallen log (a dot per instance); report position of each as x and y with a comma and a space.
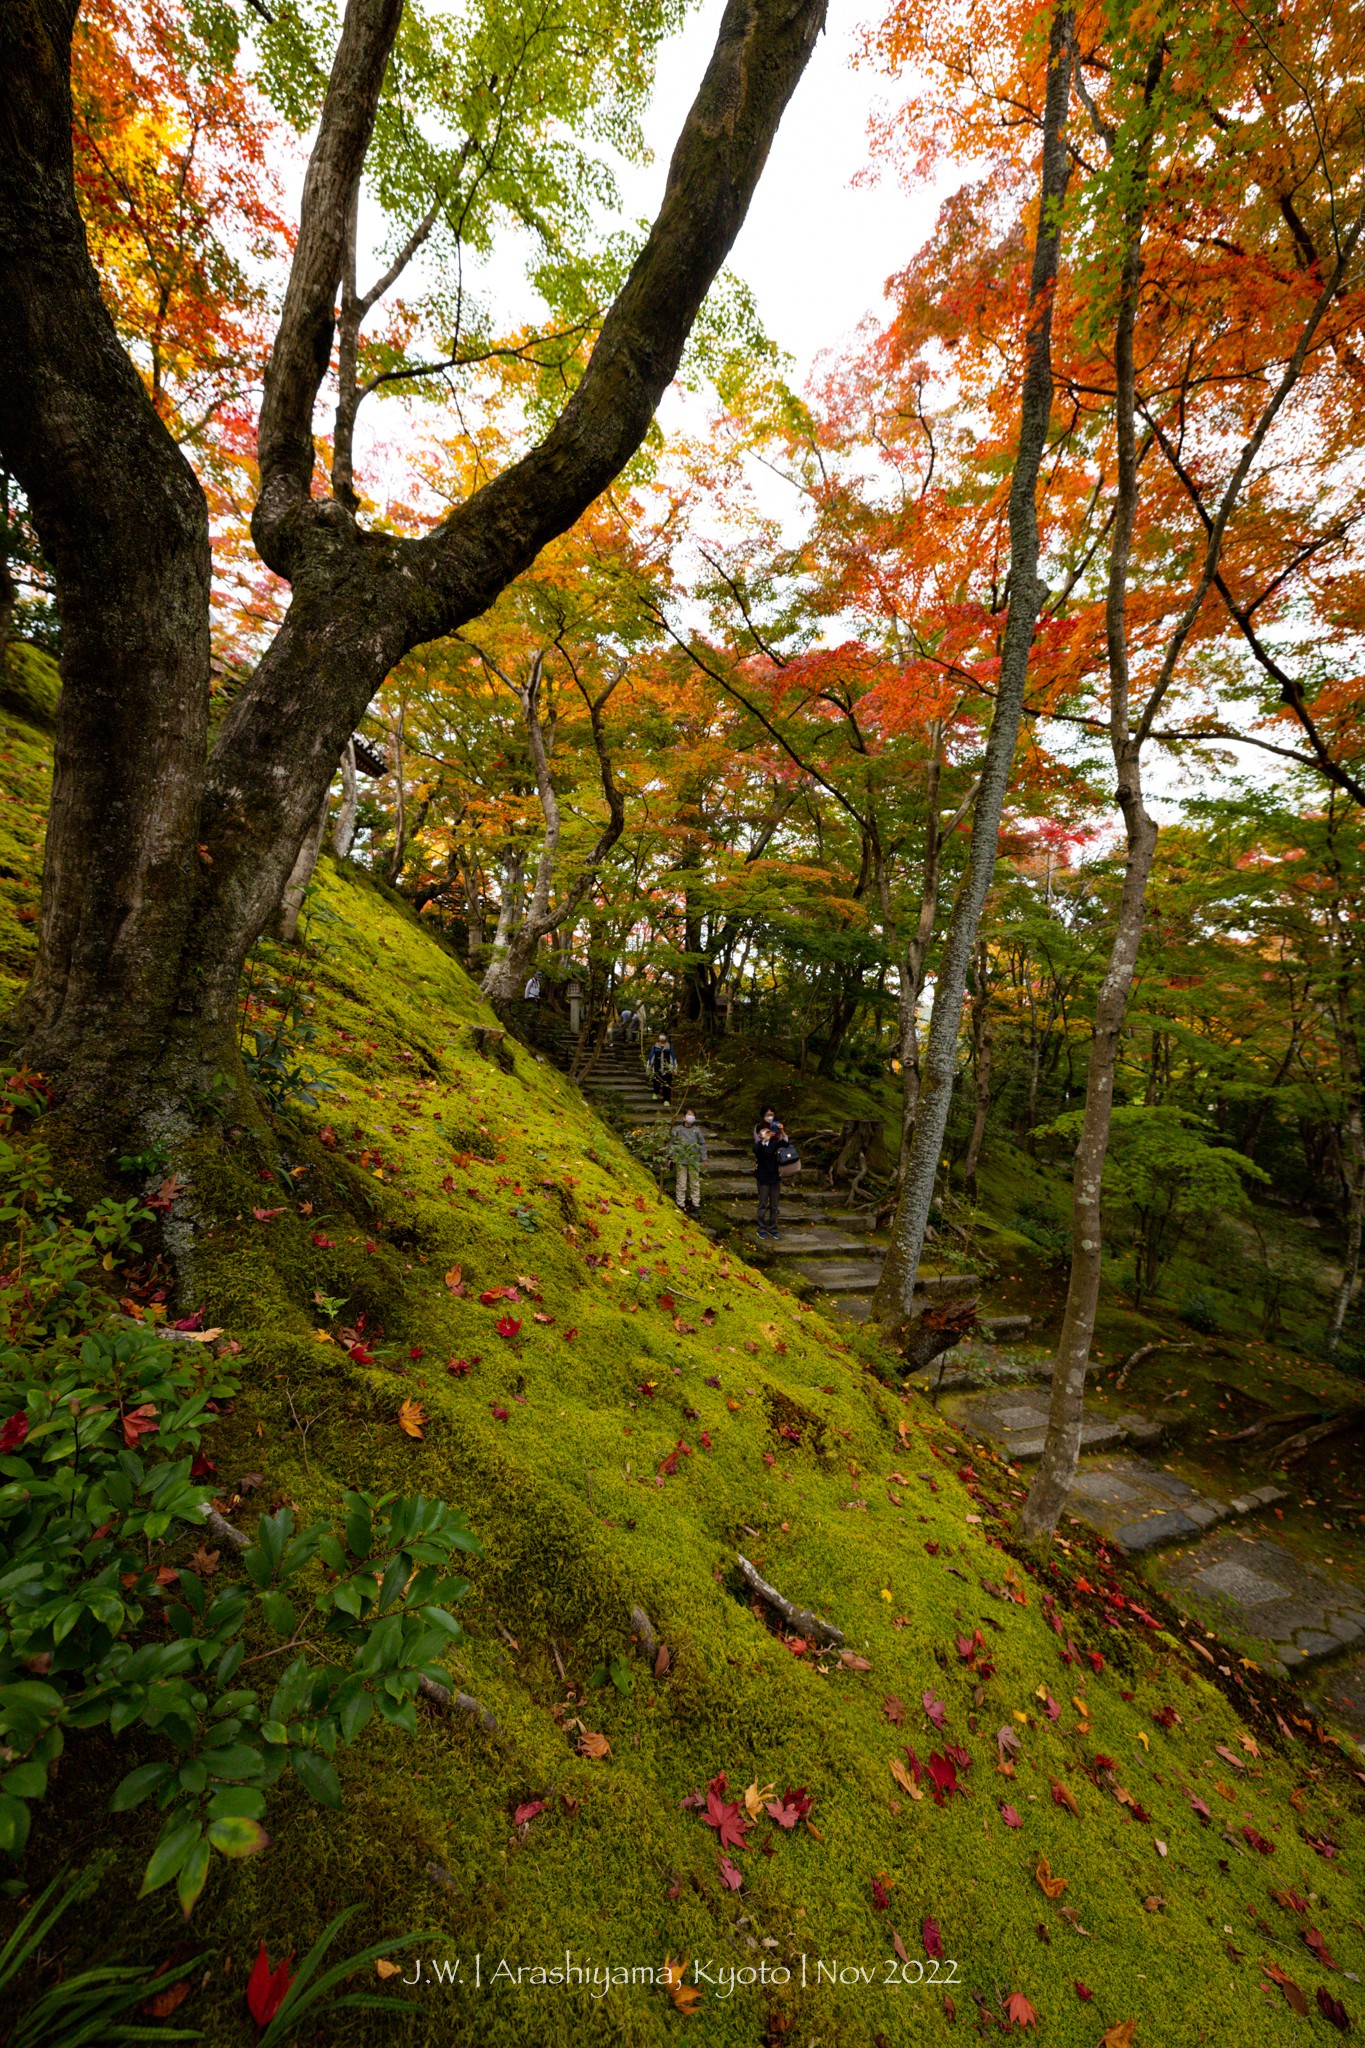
800, 1618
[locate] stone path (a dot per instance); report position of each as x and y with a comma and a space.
1294, 1615
1267, 1594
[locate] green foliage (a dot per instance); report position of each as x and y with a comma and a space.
90, 2007
101, 1432
1162, 1168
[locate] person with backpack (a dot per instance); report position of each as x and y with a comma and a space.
661, 1063
687, 1150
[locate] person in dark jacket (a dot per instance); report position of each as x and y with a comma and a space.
661, 1063
767, 1121
769, 1137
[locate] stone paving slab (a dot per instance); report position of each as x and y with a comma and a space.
818, 1239
841, 1276
1015, 1421
1140, 1507
1297, 1610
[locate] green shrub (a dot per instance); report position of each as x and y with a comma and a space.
101, 1428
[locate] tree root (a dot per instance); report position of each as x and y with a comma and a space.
644, 1629
800, 1618
442, 1697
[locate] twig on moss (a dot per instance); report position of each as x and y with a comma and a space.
224, 1531
644, 1629
800, 1618
441, 1696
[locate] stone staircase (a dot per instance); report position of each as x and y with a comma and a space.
1294, 1616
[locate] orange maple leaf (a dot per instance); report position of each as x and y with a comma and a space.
685, 1997
412, 1417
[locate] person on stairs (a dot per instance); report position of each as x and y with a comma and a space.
662, 1064
687, 1150
766, 1141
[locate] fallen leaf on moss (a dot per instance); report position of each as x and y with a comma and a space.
851, 1661
1332, 2010
162, 2004
384, 1969
264, 1215
1295, 1995
893, 1710
412, 1417
755, 1796
1314, 1941
595, 1746
731, 1875
1123, 2034
934, 1708
903, 1778
933, 1939
1052, 1886
1062, 1795
1018, 2012
685, 1997
1082, 1991
1011, 1817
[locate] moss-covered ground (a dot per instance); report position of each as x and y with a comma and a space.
1171, 1799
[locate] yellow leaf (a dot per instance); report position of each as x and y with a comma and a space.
903, 1778
685, 1996
384, 1969
1052, 1886
755, 1797
1020, 1718
412, 1418
322, 1336
1142, 1738
1121, 2035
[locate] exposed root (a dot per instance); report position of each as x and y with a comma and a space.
800, 1618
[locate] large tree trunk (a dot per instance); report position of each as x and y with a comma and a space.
896, 1287
161, 869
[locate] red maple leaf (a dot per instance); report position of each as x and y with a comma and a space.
266, 1988
324, 1244
507, 1326
725, 1817
499, 1414
1083, 1991
527, 1812
139, 1422
933, 1940
935, 1709
13, 1434
264, 1215
881, 1897
1018, 2012
943, 1775
730, 1874
1011, 1817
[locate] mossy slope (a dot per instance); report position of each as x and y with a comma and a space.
427, 1156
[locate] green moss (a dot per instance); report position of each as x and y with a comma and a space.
425, 1158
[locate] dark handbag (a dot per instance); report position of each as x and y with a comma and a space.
788, 1160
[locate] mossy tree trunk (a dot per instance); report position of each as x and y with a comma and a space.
165, 861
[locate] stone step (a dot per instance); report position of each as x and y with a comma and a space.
815, 1242
1004, 1329
841, 1276
1014, 1422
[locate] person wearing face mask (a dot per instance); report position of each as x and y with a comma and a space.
687, 1150
767, 1121
767, 1138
